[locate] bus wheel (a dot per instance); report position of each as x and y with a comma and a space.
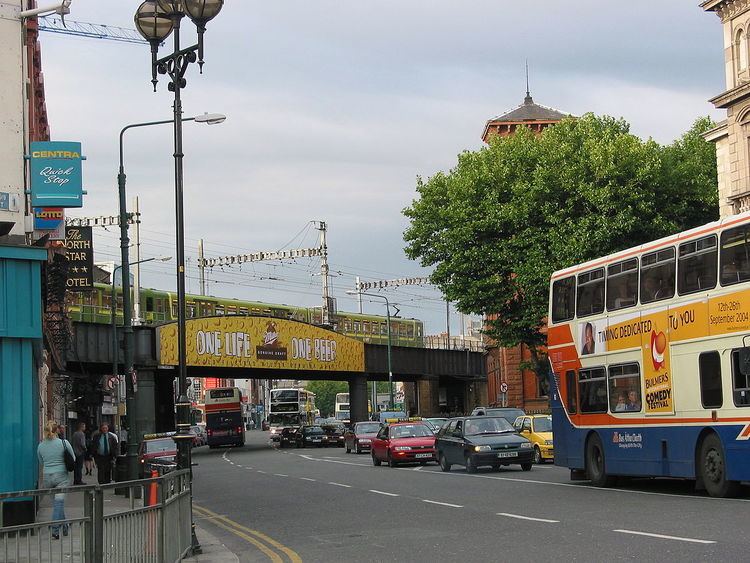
713, 469
595, 464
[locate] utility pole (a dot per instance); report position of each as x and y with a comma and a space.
326, 310
448, 321
359, 295
201, 267
137, 271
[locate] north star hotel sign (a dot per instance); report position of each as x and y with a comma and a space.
56, 174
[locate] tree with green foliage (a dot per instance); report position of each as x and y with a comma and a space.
325, 394
495, 227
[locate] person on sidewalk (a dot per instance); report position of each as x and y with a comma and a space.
79, 448
104, 447
51, 454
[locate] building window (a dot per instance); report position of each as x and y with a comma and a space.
741, 46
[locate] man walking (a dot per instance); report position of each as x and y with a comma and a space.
104, 448
79, 448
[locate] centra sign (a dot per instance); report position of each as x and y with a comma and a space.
56, 174
261, 342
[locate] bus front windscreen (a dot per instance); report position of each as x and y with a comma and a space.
284, 395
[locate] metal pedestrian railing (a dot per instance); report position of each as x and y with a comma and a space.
151, 523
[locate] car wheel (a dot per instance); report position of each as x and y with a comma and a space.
538, 456
527, 466
444, 465
713, 469
596, 467
391, 462
375, 461
469, 463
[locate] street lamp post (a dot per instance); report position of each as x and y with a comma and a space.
388, 324
155, 20
127, 320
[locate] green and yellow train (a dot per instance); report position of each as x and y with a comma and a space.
159, 307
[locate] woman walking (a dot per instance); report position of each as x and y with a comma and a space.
51, 454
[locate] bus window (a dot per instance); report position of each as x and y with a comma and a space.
570, 383
740, 382
590, 293
709, 367
622, 284
625, 388
735, 255
563, 299
657, 275
592, 390
696, 269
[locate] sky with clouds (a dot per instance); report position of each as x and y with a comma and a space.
335, 107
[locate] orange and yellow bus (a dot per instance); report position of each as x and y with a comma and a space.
651, 369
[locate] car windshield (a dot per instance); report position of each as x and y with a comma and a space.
543, 424
160, 445
486, 425
437, 421
411, 431
314, 430
367, 428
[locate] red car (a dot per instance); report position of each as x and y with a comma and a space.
404, 441
156, 449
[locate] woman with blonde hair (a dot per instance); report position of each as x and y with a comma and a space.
51, 454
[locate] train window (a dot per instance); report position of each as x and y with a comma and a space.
356, 326
366, 327
740, 382
563, 299
657, 275
243, 311
232, 310
709, 366
190, 311
159, 305
401, 329
590, 298
735, 255
218, 310
696, 267
622, 284
592, 390
410, 331
149, 303
419, 330
625, 388
174, 310
347, 326
375, 327
570, 386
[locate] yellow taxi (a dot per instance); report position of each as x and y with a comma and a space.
537, 428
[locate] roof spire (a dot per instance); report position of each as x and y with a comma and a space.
528, 99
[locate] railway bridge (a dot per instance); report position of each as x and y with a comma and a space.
250, 347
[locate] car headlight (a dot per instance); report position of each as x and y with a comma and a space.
525, 446
548, 442
273, 431
402, 448
482, 448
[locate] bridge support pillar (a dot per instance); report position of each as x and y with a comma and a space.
428, 393
358, 398
146, 397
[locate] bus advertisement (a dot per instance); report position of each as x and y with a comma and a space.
224, 425
290, 407
651, 369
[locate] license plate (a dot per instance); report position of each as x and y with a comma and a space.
221, 432
507, 454
423, 455
316, 440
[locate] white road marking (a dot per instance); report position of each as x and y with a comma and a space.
528, 518
442, 503
339, 485
383, 493
308, 479
310, 458
417, 468
663, 537
280, 475
224, 456
259, 471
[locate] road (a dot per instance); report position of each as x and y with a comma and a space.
323, 505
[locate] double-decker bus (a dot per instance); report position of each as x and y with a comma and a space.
651, 369
341, 406
290, 407
223, 406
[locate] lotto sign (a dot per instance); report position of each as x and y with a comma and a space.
48, 218
56, 174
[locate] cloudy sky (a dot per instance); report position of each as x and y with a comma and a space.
335, 107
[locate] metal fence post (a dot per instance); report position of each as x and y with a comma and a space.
161, 521
88, 528
98, 525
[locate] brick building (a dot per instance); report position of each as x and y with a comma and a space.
507, 383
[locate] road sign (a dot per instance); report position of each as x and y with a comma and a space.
503, 387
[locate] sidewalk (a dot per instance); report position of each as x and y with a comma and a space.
213, 550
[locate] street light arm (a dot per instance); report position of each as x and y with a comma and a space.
145, 124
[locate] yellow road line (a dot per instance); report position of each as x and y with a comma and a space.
238, 529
